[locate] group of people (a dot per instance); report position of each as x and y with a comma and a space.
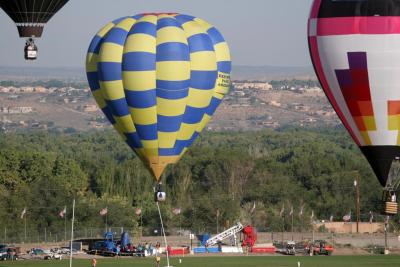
146, 249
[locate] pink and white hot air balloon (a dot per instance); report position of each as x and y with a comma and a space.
355, 49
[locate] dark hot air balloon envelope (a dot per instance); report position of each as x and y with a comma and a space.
30, 17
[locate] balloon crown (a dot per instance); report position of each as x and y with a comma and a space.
158, 14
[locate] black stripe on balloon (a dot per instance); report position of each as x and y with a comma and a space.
357, 8
31, 11
380, 158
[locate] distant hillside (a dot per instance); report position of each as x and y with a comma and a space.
264, 73
32, 73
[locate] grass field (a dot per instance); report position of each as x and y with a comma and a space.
257, 261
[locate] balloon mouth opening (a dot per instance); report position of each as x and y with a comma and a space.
160, 14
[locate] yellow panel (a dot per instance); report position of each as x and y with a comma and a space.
105, 29
171, 107
203, 61
144, 116
369, 122
98, 96
222, 52
203, 123
112, 90
186, 131
203, 23
394, 123
160, 16
166, 140
140, 42
199, 98
366, 138
173, 70
126, 24
192, 28
111, 52
222, 85
125, 123
151, 152
149, 18
150, 144
91, 62
171, 34
139, 80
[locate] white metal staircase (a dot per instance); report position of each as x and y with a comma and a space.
231, 232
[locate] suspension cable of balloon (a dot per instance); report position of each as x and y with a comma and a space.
163, 232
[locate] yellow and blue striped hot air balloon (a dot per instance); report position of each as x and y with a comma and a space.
159, 78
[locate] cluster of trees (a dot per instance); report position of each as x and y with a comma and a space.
287, 84
246, 176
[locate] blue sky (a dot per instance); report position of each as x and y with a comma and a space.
259, 32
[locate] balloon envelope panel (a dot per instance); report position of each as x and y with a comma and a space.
159, 79
355, 48
31, 15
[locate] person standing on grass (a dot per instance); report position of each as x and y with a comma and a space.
94, 262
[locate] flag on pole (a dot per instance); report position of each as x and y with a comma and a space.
253, 208
176, 211
103, 212
371, 217
291, 211
331, 218
282, 211
347, 217
217, 212
63, 212
138, 211
23, 213
301, 210
387, 220
312, 215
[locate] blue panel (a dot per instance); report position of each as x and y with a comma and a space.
107, 112
93, 80
225, 66
200, 42
137, 17
173, 85
193, 115
167, 22
95, 45
173, 51
169, 124
118, 107
133, 140
184, 18
173, 94
109, 71
203, 79
119, 20
147, 132
144, 27
215, 35
139, 61
165, 152
213, 106
116, 36
141, 99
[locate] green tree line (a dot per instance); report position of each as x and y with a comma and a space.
242, 176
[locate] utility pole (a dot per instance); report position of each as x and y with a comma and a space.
357, 199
